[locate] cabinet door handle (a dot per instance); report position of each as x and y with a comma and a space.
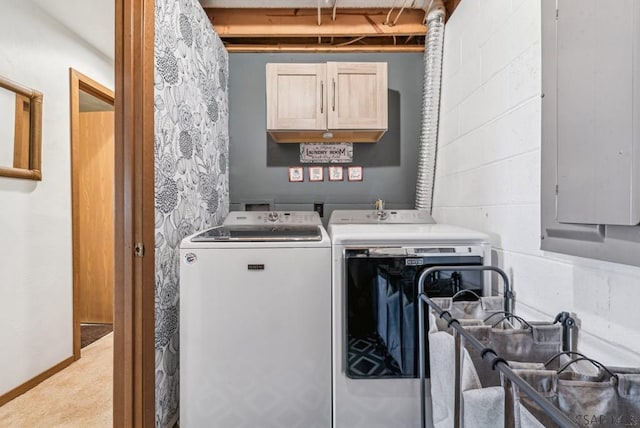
321, 97
333, 104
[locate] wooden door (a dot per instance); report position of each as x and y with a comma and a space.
94, 165
296, 96
134, 353
357, 95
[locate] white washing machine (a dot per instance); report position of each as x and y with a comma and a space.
255, 322
377, 256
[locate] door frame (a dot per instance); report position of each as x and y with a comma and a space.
79, 82
134, 276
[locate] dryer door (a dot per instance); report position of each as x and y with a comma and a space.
382, 311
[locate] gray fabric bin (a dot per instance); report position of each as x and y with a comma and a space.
599, 400
483, 397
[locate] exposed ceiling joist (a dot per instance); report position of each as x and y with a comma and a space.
326, 29
303, 23
322, 48
307, 4
297, 30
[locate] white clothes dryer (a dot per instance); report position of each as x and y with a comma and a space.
376, 259
255, 322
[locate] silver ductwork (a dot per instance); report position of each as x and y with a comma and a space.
434, 43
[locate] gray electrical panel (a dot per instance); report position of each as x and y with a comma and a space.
590, 190
598, 112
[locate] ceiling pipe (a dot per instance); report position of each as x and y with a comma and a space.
357, 39
398, 15
434, 43
387, 19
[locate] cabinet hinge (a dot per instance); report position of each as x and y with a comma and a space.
556, 190
138, 249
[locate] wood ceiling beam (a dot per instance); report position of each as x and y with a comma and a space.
323, 48
270, 23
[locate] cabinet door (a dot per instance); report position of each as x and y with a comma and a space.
357, 95
597, 113
296, 96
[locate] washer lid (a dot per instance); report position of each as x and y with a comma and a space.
259, 233
406, 235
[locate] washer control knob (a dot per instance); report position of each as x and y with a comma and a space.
382, 215
273, 216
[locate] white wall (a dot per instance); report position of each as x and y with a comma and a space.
488, 176
35, 217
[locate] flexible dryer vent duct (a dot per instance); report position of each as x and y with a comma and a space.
434, 42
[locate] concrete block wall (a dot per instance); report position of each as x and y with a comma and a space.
488, 176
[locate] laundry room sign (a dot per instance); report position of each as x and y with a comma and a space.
326, 152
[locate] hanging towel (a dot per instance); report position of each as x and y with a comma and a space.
442, 367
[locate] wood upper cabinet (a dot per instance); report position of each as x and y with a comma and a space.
358, 95
296, 96
336, 96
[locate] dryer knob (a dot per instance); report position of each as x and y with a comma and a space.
382, 215
273, 216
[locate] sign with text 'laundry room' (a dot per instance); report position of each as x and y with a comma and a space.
326, 152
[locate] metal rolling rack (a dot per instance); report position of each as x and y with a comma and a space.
488, 354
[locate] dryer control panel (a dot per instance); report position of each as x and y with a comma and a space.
273, 217
380, 216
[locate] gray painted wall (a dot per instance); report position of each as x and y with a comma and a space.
251, 179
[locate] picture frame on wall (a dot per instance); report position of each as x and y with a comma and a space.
336, 173
354, 173
296, 174
316, 173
